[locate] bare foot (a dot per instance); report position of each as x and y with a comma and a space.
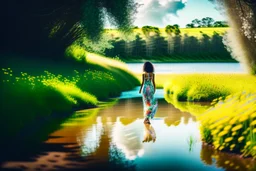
146, 121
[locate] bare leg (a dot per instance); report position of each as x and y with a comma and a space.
146, 121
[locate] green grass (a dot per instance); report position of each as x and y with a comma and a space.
57, 89
207, 87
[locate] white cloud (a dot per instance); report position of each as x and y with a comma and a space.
156, 12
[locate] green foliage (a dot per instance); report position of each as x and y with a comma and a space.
171, 45
169, 29
57, 24
99, 46
150, 31
76, 52
26, 97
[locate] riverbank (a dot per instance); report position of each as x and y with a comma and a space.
38, 89
203, 86
229, 124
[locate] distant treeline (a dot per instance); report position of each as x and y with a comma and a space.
206, 22
173, 47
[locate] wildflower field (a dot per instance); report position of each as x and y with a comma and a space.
230, 122
57, 90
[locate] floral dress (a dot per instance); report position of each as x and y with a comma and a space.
149, 102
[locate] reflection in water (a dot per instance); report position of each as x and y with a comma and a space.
112, 138
226, 160
149, 133
127, 139
89, 140
193, 108
118, 160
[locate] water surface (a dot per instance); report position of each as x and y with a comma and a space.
111, 137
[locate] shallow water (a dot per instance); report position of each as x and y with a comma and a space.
111, 137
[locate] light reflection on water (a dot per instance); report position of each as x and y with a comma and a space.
112, 138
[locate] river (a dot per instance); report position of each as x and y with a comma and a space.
111, 138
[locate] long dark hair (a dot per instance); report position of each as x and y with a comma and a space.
148, 67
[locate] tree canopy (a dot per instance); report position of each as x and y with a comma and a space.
48, 27
172, 29
150, 30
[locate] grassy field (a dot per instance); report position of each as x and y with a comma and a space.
30, 91
197, 32
207, 87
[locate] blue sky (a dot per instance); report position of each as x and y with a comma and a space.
160, 13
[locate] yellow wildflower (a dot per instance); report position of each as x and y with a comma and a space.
253, 123
227, 127
228, 139
237, 127
248, 143
240, 138
221, 147
215, 132
212, 126
227, 162
232, 146
222, 133
253, 115
254, 130
216, 146
243, 118
233, 121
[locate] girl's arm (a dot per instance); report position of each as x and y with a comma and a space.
142, 83
154, 83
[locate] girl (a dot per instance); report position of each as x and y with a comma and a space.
148, 90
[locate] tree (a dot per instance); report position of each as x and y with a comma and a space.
197, 22
220, 24
150, 31
241, 38
169, 29
47, 28
176, 26
207, 22
190, 26
176, 29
